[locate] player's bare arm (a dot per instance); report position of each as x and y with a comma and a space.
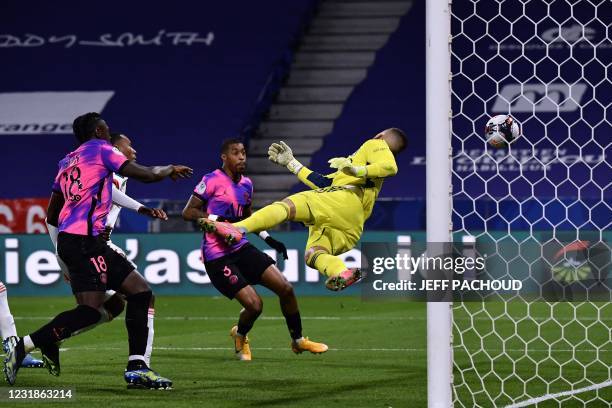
56, 202
193, 209
155, 173
125, 201
153, 212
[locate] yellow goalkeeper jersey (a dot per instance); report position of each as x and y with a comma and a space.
379, 162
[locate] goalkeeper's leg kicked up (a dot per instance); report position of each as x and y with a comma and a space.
335, 219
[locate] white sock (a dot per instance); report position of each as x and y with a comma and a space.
149, 350
7, 323
28, 344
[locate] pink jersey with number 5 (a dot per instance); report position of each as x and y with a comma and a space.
226, 198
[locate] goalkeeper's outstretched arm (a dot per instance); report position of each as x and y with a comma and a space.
379, 158
313, 179
280, 153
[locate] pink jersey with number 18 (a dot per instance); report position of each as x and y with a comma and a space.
85, 179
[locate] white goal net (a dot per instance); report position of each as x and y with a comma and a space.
548, 64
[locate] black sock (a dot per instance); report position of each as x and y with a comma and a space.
20, 350
136, 316
136, 365
243, 329
65, 324
294, 323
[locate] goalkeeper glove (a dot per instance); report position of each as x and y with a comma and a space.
274, 244
345, 165
278, 246
280, 153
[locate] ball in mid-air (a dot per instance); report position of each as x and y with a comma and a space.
502, 130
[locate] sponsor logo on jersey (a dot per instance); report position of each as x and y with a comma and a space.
201, 188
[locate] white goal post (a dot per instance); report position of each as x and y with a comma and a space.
547, 63
438, 185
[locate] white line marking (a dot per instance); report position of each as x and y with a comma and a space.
422, 349
365, 318
560, 394
255, 348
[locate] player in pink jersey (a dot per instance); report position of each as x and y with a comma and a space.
114, 303
79, 205
226, 194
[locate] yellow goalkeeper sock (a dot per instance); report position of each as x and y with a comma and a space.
329, 265
268, 217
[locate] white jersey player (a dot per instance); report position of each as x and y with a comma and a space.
114, 302
9, 331
119, 184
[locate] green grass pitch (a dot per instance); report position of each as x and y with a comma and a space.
377, 355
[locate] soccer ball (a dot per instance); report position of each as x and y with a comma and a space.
501, 130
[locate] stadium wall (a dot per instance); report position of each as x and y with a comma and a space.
171, 263
176, 82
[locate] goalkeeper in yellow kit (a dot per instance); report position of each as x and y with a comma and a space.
334, 210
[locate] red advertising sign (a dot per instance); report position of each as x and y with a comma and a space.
25, 215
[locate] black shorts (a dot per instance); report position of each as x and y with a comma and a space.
233, 272
92, 264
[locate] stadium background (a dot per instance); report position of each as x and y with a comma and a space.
322, 75
180, 81
231, 72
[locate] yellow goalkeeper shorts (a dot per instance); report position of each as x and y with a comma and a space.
337, 217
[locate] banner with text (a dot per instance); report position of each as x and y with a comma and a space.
23, 216
171, 263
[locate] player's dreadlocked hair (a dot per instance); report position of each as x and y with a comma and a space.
399, 133
84, 126
228, 142
115, 137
